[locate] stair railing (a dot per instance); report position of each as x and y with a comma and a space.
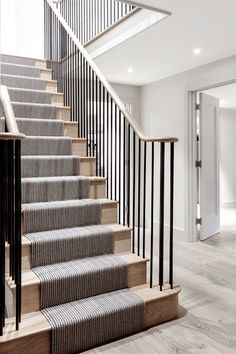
89, 19
136, 176
10, 206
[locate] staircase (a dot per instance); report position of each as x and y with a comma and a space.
81, 285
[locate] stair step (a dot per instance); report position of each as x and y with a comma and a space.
13, 59
35, 96
123, 271
40, 127
46, 166
29, 96
65, 214
38, 145
46, 74
41, 145
34, 110
20, 70
45, 189
71, 129
51, 86
41, 111
26, 82
34, 335
122, 243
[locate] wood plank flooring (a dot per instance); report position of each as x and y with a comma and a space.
206, 272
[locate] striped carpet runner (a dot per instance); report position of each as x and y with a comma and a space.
85, 323
83, 285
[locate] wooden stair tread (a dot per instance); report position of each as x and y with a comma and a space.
48, 81
29, 277
35, 323
117, 228
70, 123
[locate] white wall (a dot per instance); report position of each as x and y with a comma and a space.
130, 94
227, 155
164, 111
21, 27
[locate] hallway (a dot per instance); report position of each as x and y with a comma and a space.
207, 324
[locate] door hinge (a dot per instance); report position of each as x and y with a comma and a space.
198, 163
198, 221
197, 106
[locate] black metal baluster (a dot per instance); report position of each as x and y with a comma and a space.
111, 148
2, 238
90, 110
94, 113
108, 146
161, 226
103, 132
115, 157
139, 193
171, 256
86, 102
100, 126
144, 196
124, 169
152, 214
18, 229
134, 189
97, 113
120, 137
128, 176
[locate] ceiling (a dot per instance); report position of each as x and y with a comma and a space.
166, 48
226, 95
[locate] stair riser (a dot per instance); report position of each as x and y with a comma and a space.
57, 99
37, 127
30, 96
87, 168
46, 74
66, 191
39, 63
51, 86
79, 148
108, 216
26, 83
12, 69
54, 147
31, 293
122, 244
41, 112
71, 129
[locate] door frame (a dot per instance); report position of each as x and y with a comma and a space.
191, 156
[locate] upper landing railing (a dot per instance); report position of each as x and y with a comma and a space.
89, 19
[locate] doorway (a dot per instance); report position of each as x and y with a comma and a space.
214, 127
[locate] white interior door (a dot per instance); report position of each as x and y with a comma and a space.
209, 172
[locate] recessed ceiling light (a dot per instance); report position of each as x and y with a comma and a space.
197, 51
130, 70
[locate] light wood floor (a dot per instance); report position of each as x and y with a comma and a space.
206, 272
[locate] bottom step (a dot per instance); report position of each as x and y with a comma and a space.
99, 319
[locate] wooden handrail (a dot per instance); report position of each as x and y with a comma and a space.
106, 84
12, 128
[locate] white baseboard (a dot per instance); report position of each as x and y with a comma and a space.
179, 234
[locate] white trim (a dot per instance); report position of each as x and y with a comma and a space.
190, 153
